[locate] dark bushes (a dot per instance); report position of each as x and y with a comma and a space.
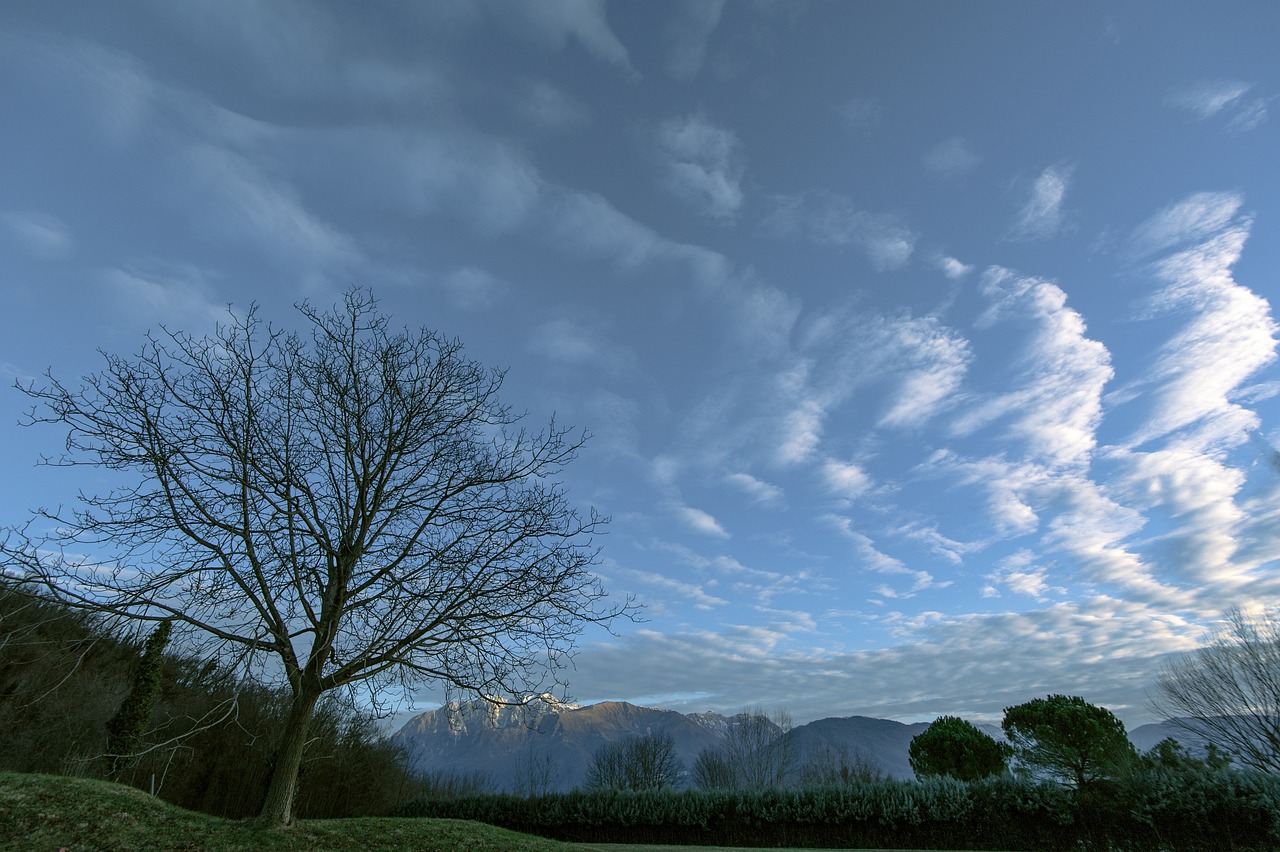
1216, 811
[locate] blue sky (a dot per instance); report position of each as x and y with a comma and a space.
928, 348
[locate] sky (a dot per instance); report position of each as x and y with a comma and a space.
928, 349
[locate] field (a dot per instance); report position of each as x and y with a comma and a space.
53, 812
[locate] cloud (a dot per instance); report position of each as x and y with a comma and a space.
845, 479
1057, 405
872, 559
704, 165
953, 269
951, 159
1042, 215
472, 288
549, 108
580, 343
831, 219
702, 522
179, 296
972, 665
687, 35
685, 592
1226, 98
553, 23
860, 116
761, 493
1229, 334
40, 234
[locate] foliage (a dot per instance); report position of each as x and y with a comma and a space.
645, 762
351, 506
1228, 692
51, 812
1064, 738
126, 728
213, 734
1221, 810
952, 746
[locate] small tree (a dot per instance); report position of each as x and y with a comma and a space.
646, 762
955, 747
127, 726
353, 506
754, 754
1228, 692
1067, 739
827, 766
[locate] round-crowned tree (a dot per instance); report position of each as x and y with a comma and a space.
1066, 739
955, 747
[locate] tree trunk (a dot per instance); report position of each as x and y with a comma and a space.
277, 808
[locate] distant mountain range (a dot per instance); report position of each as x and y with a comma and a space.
504, 742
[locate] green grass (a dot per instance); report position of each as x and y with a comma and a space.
53, 812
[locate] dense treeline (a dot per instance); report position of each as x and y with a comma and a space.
1148, 809
211, 735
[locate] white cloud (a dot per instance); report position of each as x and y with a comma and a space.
1207, 97
704, 165
972, 665
879, 562
954, 269
687, 35
702, 522
1042, 215
1229, 335
40, 234
686, 592
845, 479
951, 159
1056, 405
760, 492
832, 219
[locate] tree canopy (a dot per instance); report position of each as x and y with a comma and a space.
1067, 739
955, 747
351, 505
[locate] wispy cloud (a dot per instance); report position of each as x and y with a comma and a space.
472, 288
687, 35
760, 491
832, 219
581, 342
549, 108
177, 295
951, 159
861, 116
704, 165
553, 23
39, 234
1226, 98
1055, 405
954, 269
1042, 216
702, 522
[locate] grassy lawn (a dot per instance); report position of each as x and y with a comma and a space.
53, 812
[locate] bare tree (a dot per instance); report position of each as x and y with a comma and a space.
1228, 691
646, 762
349, 506
535, 773
828, 766
754, 754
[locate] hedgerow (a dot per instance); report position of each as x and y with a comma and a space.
1146, 811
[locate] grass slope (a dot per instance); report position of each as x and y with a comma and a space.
53, 812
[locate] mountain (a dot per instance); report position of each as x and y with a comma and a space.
502, 742
507, 743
